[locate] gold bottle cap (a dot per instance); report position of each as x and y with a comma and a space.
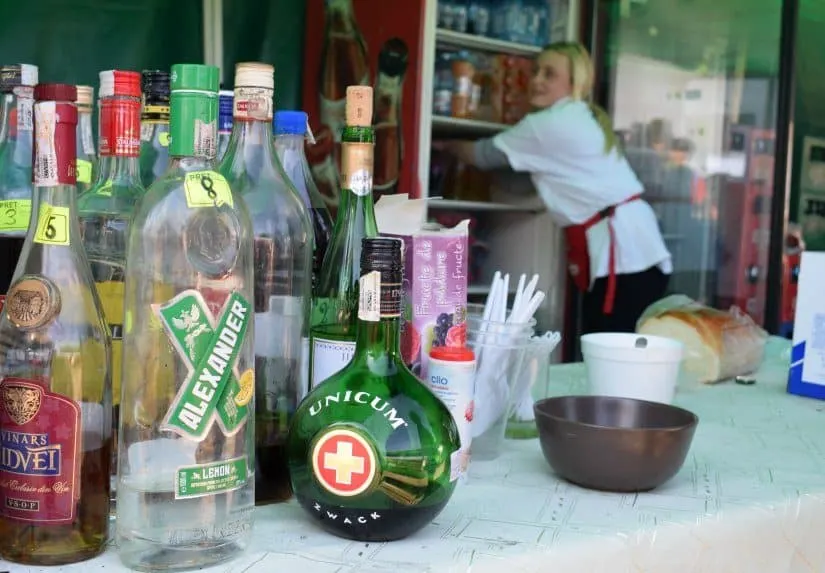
359, 106
32, 302
85, 95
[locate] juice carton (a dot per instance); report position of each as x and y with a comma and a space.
435, 278
807, 373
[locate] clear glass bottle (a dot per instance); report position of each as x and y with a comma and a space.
224, 121
283, 267
185, 491
335, 302
373, 453
86, 156
154, 126
290, 132
106, 210
55, 361
17, 83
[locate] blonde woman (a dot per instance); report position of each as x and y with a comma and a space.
616, 254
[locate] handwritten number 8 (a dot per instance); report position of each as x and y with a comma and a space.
208, 184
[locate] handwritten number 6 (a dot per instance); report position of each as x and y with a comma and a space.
51, 231
208, 184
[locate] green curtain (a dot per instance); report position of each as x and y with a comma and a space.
270, 31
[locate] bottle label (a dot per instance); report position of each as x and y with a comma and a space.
120, 128
84, 170
52, 225
344, 463
329, 357
356, 167
86, 140
40, 453
369, 297
25, 105
32, 302
15, 214
304, 365
252, 104
54, 145
206, 189
209, 346
210, 479
205, 140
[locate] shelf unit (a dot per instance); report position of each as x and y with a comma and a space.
526, 238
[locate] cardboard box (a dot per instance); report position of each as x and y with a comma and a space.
807, 373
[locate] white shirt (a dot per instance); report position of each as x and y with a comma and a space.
562, 147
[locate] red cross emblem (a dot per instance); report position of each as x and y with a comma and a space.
343, 463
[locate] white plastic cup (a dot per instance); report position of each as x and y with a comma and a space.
628, 365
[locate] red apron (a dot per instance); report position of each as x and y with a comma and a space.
578, 258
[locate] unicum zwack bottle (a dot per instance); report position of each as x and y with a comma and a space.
185, 492
283, 273
373, 453
55, 361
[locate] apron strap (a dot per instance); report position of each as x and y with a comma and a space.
610, 292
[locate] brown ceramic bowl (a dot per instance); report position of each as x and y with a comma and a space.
614, 444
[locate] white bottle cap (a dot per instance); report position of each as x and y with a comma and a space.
254, 75
28, 74
85, 95
229, 93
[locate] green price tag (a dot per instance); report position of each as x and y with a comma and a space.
210, 479
52, 225
15, 214
206, 189
84, 171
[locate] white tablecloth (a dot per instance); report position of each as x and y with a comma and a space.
750, 498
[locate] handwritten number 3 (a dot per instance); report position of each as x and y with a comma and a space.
208, 184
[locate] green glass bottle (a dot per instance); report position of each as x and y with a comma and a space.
335, 302
373, 453
186, 455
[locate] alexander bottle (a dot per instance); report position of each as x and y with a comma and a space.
106, 210
86, 156
373, 453
335, 302
154, 126
16, 100
283, 273
224, 121
55, 359
185, 493
389, 139
290, 133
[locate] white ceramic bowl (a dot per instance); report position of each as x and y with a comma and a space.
617, 366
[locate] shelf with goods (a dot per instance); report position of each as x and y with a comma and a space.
519, 234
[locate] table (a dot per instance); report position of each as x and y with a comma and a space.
750, 498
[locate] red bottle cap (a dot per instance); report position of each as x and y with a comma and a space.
119, 83
452, 353
55, 92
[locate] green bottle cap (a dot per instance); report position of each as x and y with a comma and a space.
195, 77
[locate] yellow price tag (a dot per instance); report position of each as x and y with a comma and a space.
206, 189
52, 225
15, 214
84, 171
163, 138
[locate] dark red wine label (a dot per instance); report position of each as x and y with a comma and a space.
120, 127
55, 149
39, 453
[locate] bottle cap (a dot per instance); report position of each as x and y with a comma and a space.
290, 123
119, 83
381, 254
226, 93
197, 77
359, 106
155, 85
392, 60
14, 75
85, 96
452, 353
254, 75
55, 92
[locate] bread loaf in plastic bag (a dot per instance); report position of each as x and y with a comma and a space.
718, 345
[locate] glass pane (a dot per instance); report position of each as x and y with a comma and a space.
691, 87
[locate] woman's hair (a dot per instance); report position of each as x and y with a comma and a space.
582, 76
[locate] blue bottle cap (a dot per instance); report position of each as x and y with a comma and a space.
290, 123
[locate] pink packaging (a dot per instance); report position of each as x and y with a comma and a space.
435, 278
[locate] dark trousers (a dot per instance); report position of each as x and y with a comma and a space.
634, 293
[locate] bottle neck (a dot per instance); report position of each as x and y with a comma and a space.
378, 331
17, 125
85, 141
251, 144
290, 150
194, 125
120, 140
357, 150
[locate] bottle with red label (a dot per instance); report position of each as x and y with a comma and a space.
107, 207
55, 363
